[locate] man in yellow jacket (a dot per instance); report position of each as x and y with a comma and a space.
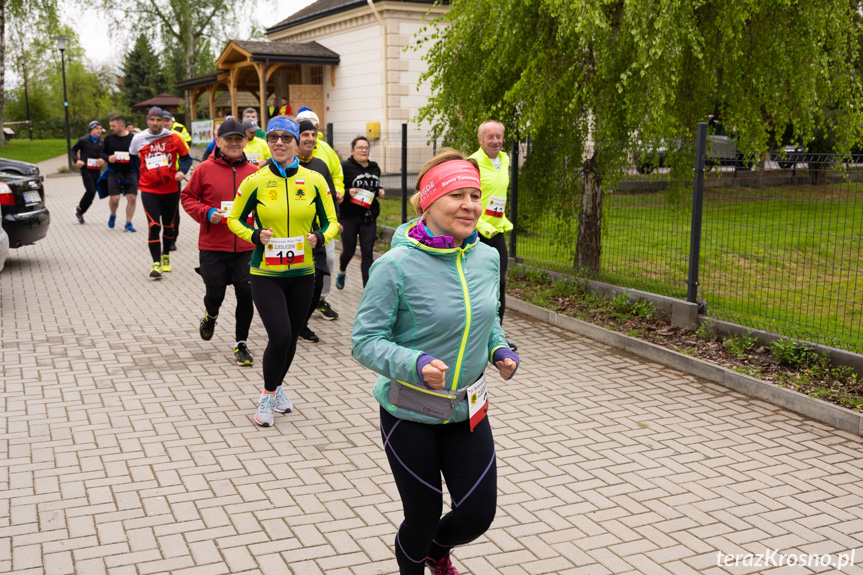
257, 151
494, 180
325, 152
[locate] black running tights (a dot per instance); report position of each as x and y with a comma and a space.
161, 210
418, 454
498, 242
367, 233
283, 305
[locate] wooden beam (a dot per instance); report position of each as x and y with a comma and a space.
211, 91
333, 76
193, 102
232, 87
262, 86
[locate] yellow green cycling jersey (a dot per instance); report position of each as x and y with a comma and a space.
287, 204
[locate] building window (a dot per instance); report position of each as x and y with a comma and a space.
317, 74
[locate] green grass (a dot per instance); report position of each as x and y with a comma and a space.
34, 151
783, 259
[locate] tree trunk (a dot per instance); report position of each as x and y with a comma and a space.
588, 246
2, 70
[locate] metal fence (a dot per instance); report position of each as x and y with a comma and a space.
774, 243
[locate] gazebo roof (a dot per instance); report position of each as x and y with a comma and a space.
162, 100
286, 52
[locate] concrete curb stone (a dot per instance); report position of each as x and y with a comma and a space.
819, 410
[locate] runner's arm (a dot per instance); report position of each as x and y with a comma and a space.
191, 196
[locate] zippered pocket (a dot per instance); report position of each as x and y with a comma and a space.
439, 403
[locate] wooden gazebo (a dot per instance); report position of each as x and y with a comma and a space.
262, 68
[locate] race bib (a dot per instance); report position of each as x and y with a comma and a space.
122, 157
477, 402
157, 161
495, 207
286, 252
363, 198
226, 206
254, 158
93, 163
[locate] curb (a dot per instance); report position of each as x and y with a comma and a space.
810, 407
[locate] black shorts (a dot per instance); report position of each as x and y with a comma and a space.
224, 268
122, 183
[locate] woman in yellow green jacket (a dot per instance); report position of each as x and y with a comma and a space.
285, 197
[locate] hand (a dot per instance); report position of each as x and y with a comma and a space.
382, 193
434, 374
266, 236
79, 163
112, 158
101, 162
352, 192
506, 367
312, 239
218, 215
341, 229
339, 197
180, 176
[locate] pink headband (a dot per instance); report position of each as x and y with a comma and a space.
446, 177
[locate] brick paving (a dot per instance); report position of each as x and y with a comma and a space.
127, 444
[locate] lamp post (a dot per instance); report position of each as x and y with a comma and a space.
61, 45
27, 102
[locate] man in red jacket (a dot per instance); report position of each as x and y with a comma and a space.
224, 257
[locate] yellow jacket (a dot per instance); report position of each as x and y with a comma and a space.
323, 151
257, 151
495, 191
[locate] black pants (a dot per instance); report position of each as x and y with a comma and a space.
283, 306
161, 209
498, 242
418, 455
316, 295
90, 178
220, 269
367, 233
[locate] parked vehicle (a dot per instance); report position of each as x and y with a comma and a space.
18, 167
788, 157
721, 151
22, 205
4, 247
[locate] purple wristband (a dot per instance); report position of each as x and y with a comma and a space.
423, 361
503, 353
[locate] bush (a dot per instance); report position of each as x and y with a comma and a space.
794, 354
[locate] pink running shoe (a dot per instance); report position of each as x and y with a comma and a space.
441, 567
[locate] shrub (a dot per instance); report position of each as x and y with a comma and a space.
794, 354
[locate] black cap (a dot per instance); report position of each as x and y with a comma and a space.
306, 125
230, 127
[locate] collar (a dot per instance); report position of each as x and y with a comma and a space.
419, 233
278, 169
238, 162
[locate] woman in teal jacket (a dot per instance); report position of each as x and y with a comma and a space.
428, 324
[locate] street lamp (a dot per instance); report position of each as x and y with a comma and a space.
61, 45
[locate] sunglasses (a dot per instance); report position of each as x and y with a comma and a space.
273, 138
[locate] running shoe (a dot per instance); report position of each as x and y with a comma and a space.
326, 311
156, 272
241, 352
441, 567
264, 414
166, 263
80, 215
283, 404
340, 281
309, 335
111, 219
208, 325
129, 227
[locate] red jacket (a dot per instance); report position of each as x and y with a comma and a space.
213, 182
160, 162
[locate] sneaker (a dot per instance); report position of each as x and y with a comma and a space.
80, 215
241, 352
166, 263
264, 414
208, 325
156, 272
326, 311
442, 566
309, 335
283, 404
512, 346
111, 219
129, 227
340, 281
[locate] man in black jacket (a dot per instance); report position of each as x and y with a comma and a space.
87, 153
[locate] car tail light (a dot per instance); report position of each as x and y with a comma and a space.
6, 196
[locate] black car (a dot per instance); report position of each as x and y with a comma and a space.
18, 167
22, 205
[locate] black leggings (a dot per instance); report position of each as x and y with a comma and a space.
90, 177
220, 269
161, 209
498, 242
316, 295
367, 233
283, 305
418, 454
